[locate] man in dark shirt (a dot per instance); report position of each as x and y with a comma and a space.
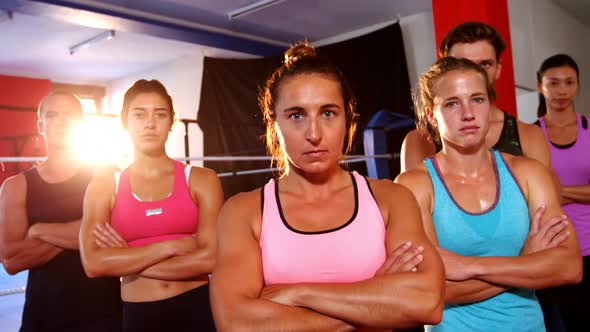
40, 215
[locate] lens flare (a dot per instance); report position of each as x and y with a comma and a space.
102, 140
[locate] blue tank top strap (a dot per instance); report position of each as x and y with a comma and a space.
441, 196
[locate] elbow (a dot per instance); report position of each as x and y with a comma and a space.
575, 273
433, 308
93, 267
95, 271
429, 310
91, 271
10, 268
434, 316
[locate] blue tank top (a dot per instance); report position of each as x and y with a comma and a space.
501, 230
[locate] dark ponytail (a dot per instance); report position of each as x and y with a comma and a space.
542, 109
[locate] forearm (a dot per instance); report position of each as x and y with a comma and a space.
258, 315
35, 255
579, 194
20, 246
63, 235
119, 262
395, 300
547, 268
184, 267
469, 291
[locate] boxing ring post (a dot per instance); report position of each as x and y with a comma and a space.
375, 140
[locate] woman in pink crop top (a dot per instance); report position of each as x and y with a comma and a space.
330, 250
155, 225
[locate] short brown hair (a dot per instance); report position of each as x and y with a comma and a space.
471, 32
302, 59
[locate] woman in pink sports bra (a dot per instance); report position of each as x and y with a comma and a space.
154, 224
320, 248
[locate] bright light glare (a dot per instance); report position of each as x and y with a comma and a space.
88, 105
102, 140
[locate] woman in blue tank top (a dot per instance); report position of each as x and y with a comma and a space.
496, 218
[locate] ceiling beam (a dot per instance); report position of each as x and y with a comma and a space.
104, 16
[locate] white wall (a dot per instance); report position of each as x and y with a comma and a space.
419, 43
540, 29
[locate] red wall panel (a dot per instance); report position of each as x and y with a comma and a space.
19, 97
449, 13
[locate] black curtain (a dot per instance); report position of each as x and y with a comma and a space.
374, 64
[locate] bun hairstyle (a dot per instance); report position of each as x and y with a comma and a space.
297, 52
301, 59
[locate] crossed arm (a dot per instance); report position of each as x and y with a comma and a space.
536, 267
18, 251
550, 255
386, 300
105, 253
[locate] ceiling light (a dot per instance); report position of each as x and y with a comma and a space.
251, 8
106, 35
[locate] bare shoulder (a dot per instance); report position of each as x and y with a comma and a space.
242, 210
14, 185
416, 139
530, 132
415, 177
244, 201
415, 148
103, 181
386, 190
524, 168
14, 189
203, 173
204, 179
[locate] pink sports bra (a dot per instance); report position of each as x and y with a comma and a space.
351, 252
141, 222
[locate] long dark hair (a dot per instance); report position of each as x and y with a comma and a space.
558, 60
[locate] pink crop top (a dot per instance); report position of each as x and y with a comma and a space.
142, 222
349, 253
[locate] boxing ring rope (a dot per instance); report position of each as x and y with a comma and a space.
10, 291
17, 289
204, 158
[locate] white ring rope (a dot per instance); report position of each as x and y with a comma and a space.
204, 158
349, 159
10, 291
